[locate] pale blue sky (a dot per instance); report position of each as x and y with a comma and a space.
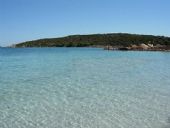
22, 20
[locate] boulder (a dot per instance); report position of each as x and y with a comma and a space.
144, 46
159, 46
123, 48
108, 48
133, 47
150, 45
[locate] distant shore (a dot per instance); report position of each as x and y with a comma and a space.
110, 41
141, 47
132, 47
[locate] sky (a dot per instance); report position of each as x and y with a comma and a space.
23, 20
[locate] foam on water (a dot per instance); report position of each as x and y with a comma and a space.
84, 88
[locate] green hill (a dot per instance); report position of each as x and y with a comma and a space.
113, 39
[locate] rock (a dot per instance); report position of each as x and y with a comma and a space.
133, 47
123, 48
159, 46
144, 46
108, 48
150, 45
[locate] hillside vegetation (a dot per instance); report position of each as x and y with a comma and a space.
112, 39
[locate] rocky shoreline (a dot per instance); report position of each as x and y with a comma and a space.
140, 47
133, 47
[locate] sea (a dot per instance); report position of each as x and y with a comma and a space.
84, 88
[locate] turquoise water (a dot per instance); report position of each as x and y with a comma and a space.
84, 88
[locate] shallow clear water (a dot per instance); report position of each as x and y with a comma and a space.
84, 88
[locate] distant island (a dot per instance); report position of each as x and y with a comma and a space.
110, 41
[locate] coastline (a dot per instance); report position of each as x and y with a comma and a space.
140, 47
